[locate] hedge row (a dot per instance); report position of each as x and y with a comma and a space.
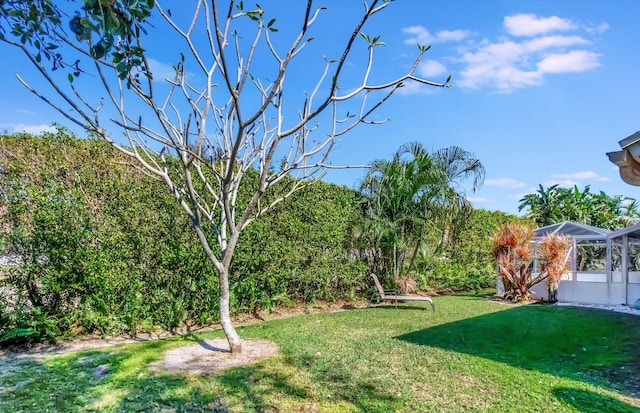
105, 248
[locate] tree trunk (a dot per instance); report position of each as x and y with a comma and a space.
225, 316
395, 261
223, 279
415, 250
553, 293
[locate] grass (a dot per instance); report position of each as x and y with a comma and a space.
469, 355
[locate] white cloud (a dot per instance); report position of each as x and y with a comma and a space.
496, 64
564, 183
586, 175
452, 35
32, 129
495, 53
431, 68
574, 61
550, 42
161, 71
601, 28
531, 25
512, 62
519, 196
504, 183
479, 200
421, 35
627, 202
504, 78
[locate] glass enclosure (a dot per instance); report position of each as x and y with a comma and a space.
634, 261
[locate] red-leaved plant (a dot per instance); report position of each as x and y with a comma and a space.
513, 255
512, 252
554, 250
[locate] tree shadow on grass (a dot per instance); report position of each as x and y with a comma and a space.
586, 401
118, 379
588, 345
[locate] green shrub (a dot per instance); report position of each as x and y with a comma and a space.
466, 262
21, 323
106, 249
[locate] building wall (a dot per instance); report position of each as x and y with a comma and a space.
592, 288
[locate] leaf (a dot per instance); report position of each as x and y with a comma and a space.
19, 332
98, 51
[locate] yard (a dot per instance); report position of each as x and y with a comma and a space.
469, 355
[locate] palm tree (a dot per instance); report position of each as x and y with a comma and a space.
412, 190
395, 193
459, 166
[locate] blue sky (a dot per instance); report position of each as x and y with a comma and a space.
543, 89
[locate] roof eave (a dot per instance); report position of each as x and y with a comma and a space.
629, 140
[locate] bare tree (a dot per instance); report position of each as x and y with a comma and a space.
221, 113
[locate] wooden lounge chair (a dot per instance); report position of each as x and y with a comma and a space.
393, 295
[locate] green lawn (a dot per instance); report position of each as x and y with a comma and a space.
469, 355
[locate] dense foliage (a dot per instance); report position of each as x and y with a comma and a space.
219, 112
464, 261
399, 200
105, 248
417, 219
555, 204
300, 251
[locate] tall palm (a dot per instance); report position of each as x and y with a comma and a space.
460, 167
403, 195
395, 194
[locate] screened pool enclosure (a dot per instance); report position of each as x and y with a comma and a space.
604, 265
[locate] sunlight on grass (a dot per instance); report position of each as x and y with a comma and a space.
469, 355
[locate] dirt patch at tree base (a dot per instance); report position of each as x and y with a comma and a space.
90, 342
212, 356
